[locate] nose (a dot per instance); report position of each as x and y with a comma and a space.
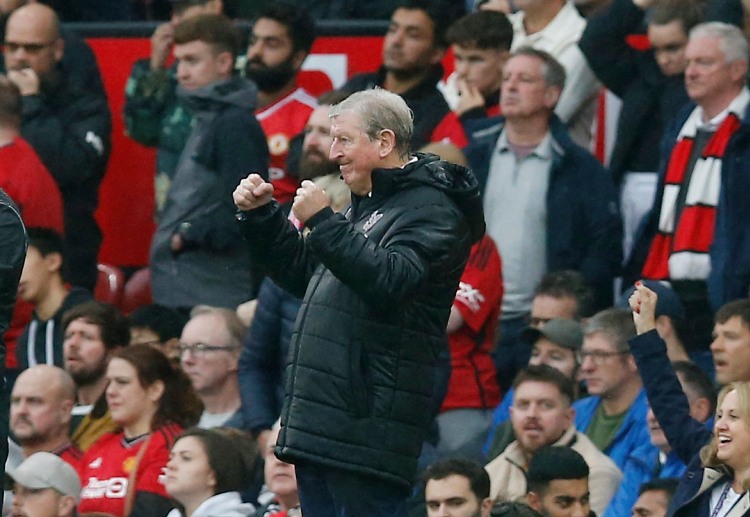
716, 344
650, 417
587, 363
579, 511
336, 151
253, 50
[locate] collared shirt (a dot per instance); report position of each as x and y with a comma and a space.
515, 208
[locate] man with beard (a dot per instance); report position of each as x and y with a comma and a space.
66, 120
413, 49
93, 331
542, 415
40, 405
280, 42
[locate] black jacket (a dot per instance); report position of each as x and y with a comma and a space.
12, 256
649, 99
379, 285
425, 101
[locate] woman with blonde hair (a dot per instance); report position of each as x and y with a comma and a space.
717, 478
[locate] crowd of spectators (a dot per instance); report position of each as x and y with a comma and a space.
558, 393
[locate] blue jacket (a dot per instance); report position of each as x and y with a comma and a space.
640, 468
730, 252
264, 353
584, 229
633, 431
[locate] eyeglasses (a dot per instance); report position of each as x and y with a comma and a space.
200, 349
29, 48
597, 356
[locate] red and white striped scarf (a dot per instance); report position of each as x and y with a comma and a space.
680, 248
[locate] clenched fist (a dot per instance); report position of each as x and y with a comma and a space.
310, 200
252, 192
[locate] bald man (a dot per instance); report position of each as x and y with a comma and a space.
40, 406
67, 121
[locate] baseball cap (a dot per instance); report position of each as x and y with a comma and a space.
667, 303
47, 470
563, 332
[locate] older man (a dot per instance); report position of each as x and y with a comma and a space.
380, 282
697, 234
209, 351
67, 121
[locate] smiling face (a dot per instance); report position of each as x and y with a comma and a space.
355, 153
189, 476
732, 433
539, 415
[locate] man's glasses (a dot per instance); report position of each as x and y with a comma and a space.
29, 48
200, 349
597, 356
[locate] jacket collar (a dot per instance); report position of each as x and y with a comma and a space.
710, 478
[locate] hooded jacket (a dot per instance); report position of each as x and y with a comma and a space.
379, 285
225, 145
228, 504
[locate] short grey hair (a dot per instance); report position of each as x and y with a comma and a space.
234, 329
615, 324
380, 109
732, 41
552, 71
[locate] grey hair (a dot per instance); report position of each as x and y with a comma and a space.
732, 41
552, 71
380, 109
234, 329
616, 324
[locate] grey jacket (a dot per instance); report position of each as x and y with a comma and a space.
225, 145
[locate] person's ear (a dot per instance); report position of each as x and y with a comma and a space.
551, 96
386, 142
58, 49
225, 63
53, 261
534, 501
66, 506
298, 58
155, 391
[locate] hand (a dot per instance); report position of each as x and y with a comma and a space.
252, 192
469, 97
643, 304
161, 44
26, 80
310, 200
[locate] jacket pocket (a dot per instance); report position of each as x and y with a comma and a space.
359, 380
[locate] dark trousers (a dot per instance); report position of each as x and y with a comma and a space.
329, 492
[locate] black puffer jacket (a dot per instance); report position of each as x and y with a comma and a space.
379, 286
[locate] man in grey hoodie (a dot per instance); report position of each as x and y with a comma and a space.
197, 255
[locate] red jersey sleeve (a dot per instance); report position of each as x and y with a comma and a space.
480, 291
450, 130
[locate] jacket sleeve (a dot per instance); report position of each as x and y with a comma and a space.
12, 256
604, 44
686, 435
603, 483
239, 148
386, 275
73, 142
148, 96
259, 372
277, 248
